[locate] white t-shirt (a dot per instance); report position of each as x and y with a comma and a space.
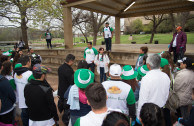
107, 32
92, 119
48, 35
21, 82
174, 42
49, 122
90, 55
155, 87
119, 95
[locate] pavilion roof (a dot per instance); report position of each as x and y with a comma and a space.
140, 8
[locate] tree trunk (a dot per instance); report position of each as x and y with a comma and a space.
152, 36
173, 22
95, 38
24, 29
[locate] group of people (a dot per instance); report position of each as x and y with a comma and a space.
146, 95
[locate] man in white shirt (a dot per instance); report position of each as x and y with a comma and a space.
97, 97
89, 56
108, 34
155, 85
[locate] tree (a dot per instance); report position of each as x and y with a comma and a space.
156, 20
137, 26
18, 11
97, 20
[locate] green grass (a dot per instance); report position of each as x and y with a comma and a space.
139, 39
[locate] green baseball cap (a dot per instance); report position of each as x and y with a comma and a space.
18, 65
10, 51
128, 73
163, 62
83, 77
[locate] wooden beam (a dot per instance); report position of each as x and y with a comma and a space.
121, 11
78, 3
119, 2
156, 12
151, 2
155, 7
117, 30
106, 6
94, 10
68, 34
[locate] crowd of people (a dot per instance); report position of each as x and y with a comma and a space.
147, 94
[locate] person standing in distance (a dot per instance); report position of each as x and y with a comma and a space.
178, 43
48, 38
108, 34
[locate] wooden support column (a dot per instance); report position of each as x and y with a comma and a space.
117, 30
68, 34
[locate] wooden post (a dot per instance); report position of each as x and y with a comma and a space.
117, 30
68, 34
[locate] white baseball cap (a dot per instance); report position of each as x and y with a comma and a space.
115, 70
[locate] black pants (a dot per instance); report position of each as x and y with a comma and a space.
175, 54
7, 118
102, 75
108, 44
49, 43
91, 66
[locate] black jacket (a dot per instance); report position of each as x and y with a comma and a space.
65, 73
7, 95
190, 121
40, 102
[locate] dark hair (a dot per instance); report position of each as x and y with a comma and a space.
82, 64
16, 58
144, 59
0, 65
106, 23
6, 68
96, 95
3, 58
151, 115
69, 57
29, 49
167, 55
133, 83
190, 64
116, 119
36, 75
144, 49
89, 43
24, 59
101, 48
166, 70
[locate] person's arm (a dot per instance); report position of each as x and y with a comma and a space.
51, 104
131, 104
45, 34
95, 60
184, 40
95, 51
112, 32
144, 94
108, 61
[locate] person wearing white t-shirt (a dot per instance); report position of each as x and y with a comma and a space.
120, 94
89, 56
102, 61
155, 85
108, 34
21, 77
97, 97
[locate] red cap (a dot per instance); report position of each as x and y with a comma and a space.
178, 28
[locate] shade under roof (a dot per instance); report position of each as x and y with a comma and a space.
140, 8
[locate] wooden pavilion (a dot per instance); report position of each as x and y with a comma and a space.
121, 9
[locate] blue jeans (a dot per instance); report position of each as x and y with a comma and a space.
136, 93
91, 66
25, 116
102, 75
108, 44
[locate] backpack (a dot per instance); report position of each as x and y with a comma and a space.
173, 101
